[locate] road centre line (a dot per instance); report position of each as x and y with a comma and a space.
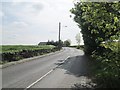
43, 76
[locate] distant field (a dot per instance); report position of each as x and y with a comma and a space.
18, 48
17, 52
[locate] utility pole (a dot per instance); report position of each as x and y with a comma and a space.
59, 46
59, 40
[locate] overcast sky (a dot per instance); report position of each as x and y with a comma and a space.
33, 21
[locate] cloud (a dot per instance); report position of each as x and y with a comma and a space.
1, 14
37, 20
0, 35
19, 24
38, 6
52, 13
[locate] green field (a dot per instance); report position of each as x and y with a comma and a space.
18, 48
17, 52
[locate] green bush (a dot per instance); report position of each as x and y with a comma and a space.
100, 26
16, 53
107, 69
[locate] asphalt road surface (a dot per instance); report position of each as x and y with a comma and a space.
64, 69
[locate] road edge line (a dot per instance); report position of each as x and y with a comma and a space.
63, 62
38, 80
66, 59
43, 76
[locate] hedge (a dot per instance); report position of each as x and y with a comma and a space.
15, 56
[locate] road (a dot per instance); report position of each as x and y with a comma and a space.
68, 67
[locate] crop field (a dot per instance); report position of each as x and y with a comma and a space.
18, 48
16, 52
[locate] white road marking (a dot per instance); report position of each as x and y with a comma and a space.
67, 57
38, 80
43, 76
62, 62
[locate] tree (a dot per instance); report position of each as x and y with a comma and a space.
67, 42
99, 22
100, 26
52, 42
78, 38
55, 43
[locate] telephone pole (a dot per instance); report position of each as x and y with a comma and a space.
59, 46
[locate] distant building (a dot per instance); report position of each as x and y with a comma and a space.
42, 43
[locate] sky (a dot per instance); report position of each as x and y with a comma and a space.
32, 21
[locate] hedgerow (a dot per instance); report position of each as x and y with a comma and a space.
21, 52
100, 26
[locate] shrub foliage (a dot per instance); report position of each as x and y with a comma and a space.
100, 26
17, 52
